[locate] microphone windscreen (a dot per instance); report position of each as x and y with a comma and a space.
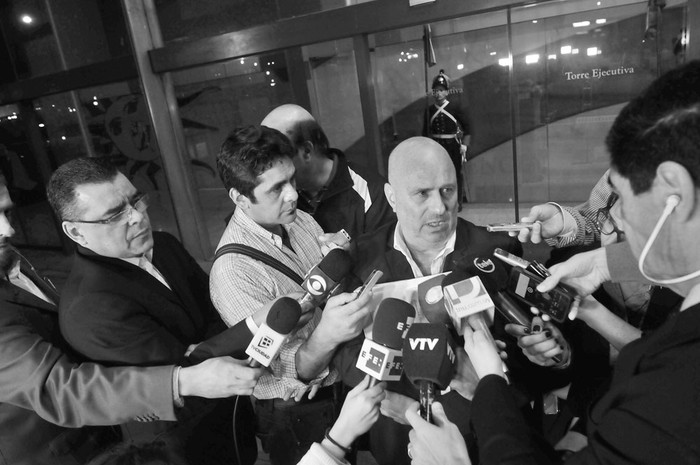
283, 315
428, 354
432, 301
393, 318
232, 342
336, 264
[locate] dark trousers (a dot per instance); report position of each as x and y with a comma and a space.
288, 428
452, 147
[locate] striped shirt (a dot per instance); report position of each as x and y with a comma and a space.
240, 285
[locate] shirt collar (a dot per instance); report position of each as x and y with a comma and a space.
438, 263
244, 220
135, 260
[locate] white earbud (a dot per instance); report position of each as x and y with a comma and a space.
672, 201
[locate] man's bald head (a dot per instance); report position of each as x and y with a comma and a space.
285, 117
413, 155
422, 190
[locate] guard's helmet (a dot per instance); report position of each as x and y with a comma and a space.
441, 80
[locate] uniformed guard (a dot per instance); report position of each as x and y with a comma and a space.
447, 125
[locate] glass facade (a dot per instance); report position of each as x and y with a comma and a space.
540, 84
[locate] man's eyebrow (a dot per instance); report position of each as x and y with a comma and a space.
278, 185
116, 209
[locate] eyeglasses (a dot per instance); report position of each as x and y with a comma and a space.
140, 204
604, 220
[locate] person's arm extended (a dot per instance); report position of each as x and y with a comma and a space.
615, 330
344, 317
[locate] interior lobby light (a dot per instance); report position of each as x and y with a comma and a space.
574, 51
601, 21
534, 21
492, 53
26, 19
460, 66
504, 61
531, 59
592, 51
551, 57
582, 24
565, 50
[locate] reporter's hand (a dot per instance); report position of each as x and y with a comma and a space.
466, 379
394, 406
585, 272
548, 223
218, 377
360, 411
330, 241
541, 342
438, 444
482, 353
344, 316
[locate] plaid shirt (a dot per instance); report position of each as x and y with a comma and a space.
586, 231
240, 285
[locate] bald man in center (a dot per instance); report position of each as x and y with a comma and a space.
428, 238
338, 193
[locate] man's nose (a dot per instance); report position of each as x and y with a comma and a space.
290, 193
437, 203
6, 229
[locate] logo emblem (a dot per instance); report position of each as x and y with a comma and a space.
265, 342
484, 264
316, 285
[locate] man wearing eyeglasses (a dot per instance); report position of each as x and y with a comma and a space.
137, 297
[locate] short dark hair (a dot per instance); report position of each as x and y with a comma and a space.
662, 124
65, 180
309, 131
247, 153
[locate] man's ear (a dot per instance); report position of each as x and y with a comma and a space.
73, 232
673, 179
390, 197
307, 152
239, 199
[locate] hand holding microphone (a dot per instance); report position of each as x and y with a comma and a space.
323, 279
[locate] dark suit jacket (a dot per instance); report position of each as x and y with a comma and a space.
116, 313
388, 439
41, 387
650, 414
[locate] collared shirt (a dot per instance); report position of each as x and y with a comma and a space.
241, 285
19, 279
145, 262
437, 263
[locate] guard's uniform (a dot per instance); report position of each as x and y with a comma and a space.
447, 125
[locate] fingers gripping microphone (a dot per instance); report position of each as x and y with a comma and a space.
381, 356
267, 342
322, 279
428, 361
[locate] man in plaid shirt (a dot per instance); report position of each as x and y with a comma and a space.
255, 165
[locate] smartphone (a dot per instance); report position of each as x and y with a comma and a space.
509, 258
370, 282
556, 303
497, 227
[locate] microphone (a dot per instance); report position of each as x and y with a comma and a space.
381, 356
431, 300
267, 342
323, 279
232, 341
428, 361
467, 302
